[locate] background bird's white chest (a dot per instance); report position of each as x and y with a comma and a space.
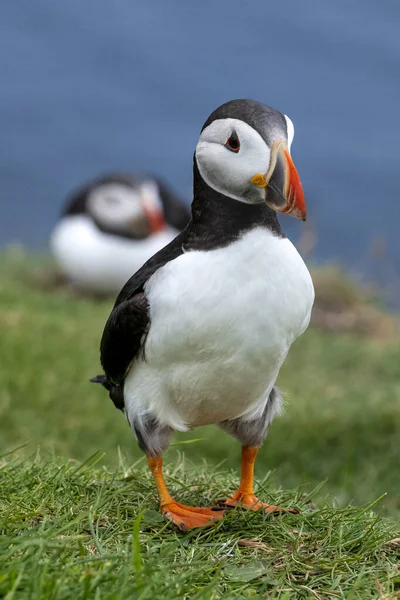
97, 260
221, 325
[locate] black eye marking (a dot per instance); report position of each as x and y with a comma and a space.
233, 143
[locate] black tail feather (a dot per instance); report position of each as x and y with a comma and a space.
103, 380
116, 391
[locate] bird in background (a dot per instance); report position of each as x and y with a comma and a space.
198, 335
111, 226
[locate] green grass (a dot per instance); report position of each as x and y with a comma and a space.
342, 418
70, 530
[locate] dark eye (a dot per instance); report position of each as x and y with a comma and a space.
233, 143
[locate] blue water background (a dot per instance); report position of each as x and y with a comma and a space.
92, 86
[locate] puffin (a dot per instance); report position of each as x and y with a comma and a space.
111, 226
198, 335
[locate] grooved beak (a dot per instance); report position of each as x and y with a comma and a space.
283, 189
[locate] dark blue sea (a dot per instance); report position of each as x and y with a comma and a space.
95, 85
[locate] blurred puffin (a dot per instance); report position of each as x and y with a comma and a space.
198, 335
111, 226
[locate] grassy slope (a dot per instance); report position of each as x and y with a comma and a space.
341, 423
72, 531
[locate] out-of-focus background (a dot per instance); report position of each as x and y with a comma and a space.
92, 87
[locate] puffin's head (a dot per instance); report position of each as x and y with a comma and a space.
121, 205
244, 153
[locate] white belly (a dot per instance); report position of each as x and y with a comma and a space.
98, 261
222, 323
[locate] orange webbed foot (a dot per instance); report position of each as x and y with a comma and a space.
251, 502
191, 517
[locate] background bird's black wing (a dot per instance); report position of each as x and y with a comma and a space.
126, 328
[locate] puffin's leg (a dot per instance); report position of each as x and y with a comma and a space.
244, 496
252, 434
153, 439
185, 517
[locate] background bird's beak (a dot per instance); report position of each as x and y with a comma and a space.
149, 222
154, 216
155, 220
283, 189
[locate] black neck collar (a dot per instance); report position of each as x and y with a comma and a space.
218, 220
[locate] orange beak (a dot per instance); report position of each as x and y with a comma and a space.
283, 189
155, 220
154, 216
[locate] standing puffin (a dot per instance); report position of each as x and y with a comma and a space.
111, 226
197, 336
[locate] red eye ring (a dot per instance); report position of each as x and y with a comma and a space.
233, 142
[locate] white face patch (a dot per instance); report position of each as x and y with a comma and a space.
290, 131
228, 172
114, 205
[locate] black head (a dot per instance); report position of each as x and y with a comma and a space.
243, 153
267, 121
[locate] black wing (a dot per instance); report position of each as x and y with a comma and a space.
123, 336
126, 328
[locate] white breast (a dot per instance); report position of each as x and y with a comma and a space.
222, 323
98, 261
